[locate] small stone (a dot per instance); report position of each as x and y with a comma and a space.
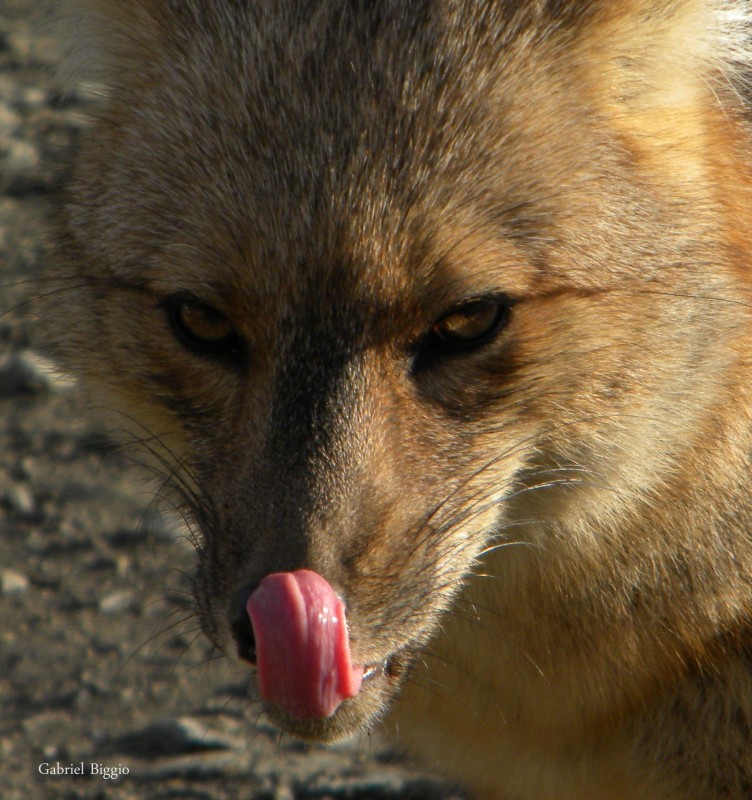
51, 751
10, 121
20, 43
27, 372
27, 468
20, 499
12, 583
33, 97
118, 603
22, 156
22, 173
18, 376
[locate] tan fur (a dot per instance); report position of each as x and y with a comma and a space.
546, 539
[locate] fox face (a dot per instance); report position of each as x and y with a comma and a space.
422, 309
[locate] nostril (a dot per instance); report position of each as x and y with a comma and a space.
242, 631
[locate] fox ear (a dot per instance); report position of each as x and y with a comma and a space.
105, 40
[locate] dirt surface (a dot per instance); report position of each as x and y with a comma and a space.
101, 662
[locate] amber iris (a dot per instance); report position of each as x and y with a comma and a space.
471, 323
199, 326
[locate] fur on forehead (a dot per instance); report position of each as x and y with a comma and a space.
109, 39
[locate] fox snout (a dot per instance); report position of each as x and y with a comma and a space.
341, 522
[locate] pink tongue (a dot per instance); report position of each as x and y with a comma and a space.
302, 647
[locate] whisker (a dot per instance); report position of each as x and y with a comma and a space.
179, 475
40, 297
441, 691
150, 640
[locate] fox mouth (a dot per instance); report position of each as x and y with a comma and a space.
380, 685
293, 630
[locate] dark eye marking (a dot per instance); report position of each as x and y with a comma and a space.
199, 327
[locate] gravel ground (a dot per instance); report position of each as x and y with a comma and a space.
102, 665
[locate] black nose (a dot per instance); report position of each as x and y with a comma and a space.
242, 630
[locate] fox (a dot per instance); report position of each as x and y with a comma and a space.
434, 322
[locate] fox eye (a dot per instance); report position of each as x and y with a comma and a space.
472, 324
200, 327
